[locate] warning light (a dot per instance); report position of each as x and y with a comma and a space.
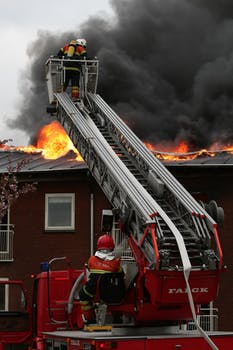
108, 345
44, 266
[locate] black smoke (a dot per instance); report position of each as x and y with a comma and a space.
166, 67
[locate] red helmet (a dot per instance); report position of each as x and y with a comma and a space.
105, 242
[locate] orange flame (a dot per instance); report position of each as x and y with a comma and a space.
181, 151
52, 141
55, 142
182, 147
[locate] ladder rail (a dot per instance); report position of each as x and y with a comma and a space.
151, 162
141, 200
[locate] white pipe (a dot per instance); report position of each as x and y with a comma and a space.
92, 223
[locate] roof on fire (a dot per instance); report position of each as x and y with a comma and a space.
35, 162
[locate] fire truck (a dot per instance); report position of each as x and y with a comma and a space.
168, 242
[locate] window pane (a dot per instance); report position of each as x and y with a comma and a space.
60, 211
2, 297
59, 214
3, 239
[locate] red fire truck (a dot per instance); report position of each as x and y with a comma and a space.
168, 242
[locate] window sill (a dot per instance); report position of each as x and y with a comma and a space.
60, 231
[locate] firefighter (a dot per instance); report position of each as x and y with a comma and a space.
103, 262
75, 50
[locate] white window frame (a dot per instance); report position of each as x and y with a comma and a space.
60, 228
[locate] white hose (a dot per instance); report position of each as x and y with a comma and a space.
191, 303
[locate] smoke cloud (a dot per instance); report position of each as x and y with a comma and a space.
166, 67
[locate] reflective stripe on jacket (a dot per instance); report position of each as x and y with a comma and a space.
99, 266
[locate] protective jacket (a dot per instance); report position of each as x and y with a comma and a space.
63, 51
74, 52
102, 263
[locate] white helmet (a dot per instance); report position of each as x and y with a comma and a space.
81, 42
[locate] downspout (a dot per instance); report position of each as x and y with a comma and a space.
92, 223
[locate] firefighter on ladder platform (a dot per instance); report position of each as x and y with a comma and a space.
103, 262
75, 50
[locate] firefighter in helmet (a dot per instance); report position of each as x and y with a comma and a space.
75, 50
103, 262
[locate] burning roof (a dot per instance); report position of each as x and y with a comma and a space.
35, 162
52, 142
201, 158
216, 154
55, 151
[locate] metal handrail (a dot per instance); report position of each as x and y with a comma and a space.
207, 319
56, 70
6, 242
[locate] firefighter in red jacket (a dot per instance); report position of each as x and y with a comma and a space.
103, 262
75, 50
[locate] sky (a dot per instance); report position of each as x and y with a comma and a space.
20, 22
166, 66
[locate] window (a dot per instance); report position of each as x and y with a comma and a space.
59, 211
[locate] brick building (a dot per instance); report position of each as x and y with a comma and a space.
60, 218
63, 216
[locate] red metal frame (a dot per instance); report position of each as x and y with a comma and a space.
150, 228
11, 336
160, 342
219, 248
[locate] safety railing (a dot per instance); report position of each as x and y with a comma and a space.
56, 71
121, 243
208, 320
6, 242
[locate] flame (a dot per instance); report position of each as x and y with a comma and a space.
168, 152
182, 147
52, 142
228, 148
55, 142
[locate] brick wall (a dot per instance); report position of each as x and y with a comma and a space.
32, 244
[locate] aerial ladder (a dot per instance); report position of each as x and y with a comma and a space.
172, 238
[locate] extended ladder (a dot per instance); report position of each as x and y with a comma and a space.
136, 183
